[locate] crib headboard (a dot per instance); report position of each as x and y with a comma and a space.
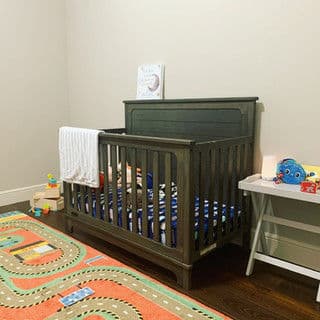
194, 119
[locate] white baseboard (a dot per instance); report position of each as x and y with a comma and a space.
298, 252
18, 195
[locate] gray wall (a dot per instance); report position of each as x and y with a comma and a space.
33, 86
210, 49
73, 62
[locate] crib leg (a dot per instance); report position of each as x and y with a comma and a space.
184, 278
68, 227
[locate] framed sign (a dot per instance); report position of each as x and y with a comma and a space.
150, 81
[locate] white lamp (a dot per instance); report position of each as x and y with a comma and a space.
269, 167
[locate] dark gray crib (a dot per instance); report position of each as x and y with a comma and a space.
199, 147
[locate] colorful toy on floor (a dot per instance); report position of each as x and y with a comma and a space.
52, 190
76, 296
50, 199
46, 209
37, 212
52, 183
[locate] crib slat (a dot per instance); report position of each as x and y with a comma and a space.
82, 199
144, 162
245, 160
168, 180
134, 190
238, 175
155, 179
202, 177
228, 174
225, 188
242, 175
211, 194
75, 196
234, 193
220, 165
98, 203
90, 201
114, 166
182, 211
124, 187
105, 166
67, 194
246, 218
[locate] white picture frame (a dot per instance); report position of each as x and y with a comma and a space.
150, 81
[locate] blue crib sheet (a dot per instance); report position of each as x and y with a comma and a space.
162, 211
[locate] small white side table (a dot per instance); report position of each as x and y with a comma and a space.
255, 185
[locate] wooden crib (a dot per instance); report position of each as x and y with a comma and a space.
195, 151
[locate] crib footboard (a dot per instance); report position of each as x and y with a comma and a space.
223, 212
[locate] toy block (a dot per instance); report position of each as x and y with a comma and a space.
38, 195
308, 186
52, 192
37, 212
54, 204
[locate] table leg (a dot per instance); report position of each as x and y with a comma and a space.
256, 235
318, 294
257, 210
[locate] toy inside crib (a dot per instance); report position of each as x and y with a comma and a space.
128, 177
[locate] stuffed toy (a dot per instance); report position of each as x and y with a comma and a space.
128, 177
289, 171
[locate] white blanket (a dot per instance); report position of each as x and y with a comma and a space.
79, 156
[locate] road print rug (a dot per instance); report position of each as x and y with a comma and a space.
45, 274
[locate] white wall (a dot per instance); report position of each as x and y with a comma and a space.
33, 90
210, 48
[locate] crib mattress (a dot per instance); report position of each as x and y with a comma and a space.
108, 215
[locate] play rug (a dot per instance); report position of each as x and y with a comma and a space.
45, 274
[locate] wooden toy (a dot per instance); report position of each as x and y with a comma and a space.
46, 209
52, 192
52, 181
37, 212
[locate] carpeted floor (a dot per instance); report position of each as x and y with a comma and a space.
46, 274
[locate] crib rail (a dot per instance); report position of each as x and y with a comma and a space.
223, 211
189, 207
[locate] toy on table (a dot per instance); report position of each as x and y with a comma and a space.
289, 171
309, 186
312, 183
313, 173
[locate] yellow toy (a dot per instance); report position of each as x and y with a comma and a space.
313, 172
45, 209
